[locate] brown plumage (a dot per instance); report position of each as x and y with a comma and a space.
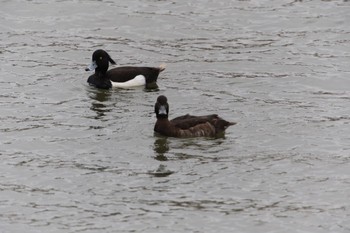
187, 125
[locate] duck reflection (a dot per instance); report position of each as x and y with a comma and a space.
97, 105
161, 147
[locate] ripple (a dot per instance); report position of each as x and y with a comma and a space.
78, 159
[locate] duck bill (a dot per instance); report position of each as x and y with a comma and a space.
91, 67
162, 110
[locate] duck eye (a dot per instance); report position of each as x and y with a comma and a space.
100, 58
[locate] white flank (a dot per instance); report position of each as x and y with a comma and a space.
139, 80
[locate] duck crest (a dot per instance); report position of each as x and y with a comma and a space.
102, 59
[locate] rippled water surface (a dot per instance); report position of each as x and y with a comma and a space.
77, 159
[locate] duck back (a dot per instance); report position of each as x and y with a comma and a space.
187, 121
126, 73
167, 128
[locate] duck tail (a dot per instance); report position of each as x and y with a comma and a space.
221, 124
162, 67
232, 123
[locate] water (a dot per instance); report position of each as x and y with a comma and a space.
78, 159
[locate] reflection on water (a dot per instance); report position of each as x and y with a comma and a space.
161, 171
99, 96
161, 147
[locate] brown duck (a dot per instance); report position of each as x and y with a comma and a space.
187, 125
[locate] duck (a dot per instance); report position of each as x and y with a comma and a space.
122, 77
187, 125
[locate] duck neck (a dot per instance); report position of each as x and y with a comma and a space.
100, 74
162, 116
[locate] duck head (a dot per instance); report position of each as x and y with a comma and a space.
161, 108
100, 62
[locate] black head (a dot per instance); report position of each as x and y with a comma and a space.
100, 61
161, 108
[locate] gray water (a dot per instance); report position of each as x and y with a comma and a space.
77, 159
